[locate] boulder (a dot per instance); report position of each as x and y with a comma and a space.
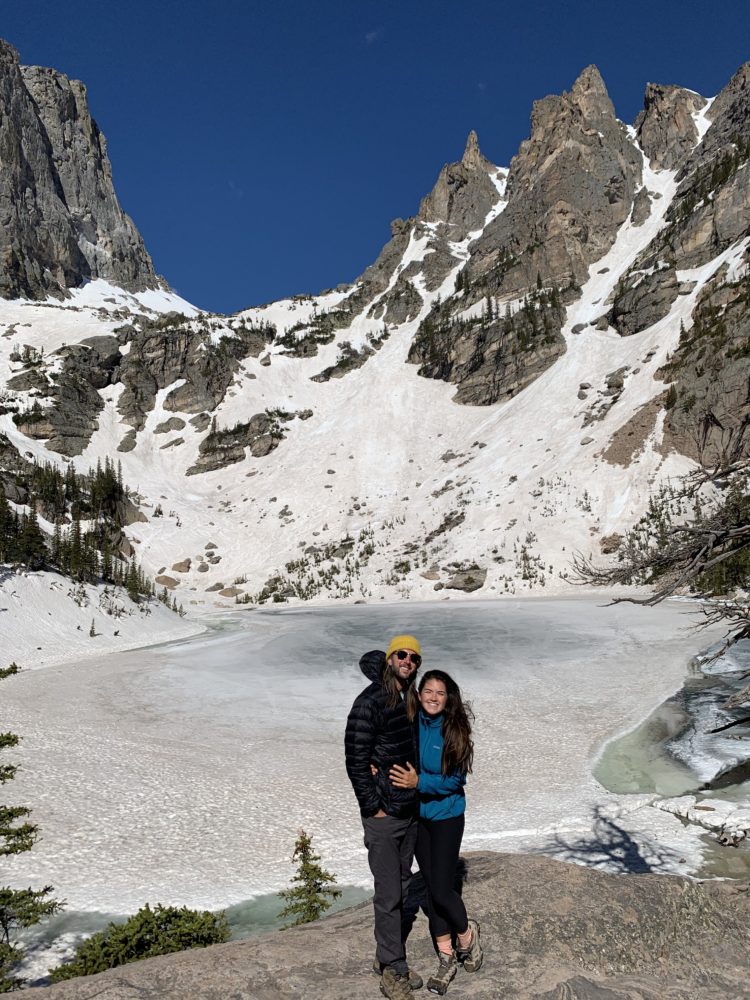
261, 434
641, 208
644, 298
128, 442
172, 424
468, 579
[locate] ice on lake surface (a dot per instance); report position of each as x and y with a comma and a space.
181, 774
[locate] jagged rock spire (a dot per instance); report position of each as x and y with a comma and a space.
589, 93
464, 192
472, 158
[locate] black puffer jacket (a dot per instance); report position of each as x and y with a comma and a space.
382, 736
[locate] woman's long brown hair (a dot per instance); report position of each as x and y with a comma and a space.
458, 746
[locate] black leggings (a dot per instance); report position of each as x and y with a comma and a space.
438, 844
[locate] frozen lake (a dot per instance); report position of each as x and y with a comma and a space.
181, 774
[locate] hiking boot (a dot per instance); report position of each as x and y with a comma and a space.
415, 980
393, 986
471, 958
447, 968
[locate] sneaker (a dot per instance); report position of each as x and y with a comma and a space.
471, 958
393, 986
415, 980
447, 968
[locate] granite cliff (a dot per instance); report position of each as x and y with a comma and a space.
60, 221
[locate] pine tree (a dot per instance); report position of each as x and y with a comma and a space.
8, 528
133, 582
76, 546
31, 548
18, 907
312, 895
106, 562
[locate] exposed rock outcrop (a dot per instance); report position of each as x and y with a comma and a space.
570, 188
666, 129
458, 204
72, 402
172, 349
643, 298
551, 931
709, 410
463, 194
488, 356
711, 209
468, 579
261, 434
60, 221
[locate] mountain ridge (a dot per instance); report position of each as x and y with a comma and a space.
487, 397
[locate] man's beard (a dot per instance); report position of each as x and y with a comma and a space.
404, 682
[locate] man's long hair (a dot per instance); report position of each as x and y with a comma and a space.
458, 746
394, 690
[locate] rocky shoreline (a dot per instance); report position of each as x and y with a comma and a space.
552, 931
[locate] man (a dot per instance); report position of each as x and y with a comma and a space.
378, 736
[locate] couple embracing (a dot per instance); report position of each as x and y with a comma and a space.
408, 752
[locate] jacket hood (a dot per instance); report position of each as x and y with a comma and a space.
372, 664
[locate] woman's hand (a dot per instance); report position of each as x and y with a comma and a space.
403, 777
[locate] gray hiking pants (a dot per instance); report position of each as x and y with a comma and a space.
390, 851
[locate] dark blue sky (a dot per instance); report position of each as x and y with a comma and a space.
262, 148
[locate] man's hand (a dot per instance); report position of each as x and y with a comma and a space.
378, 814
403, 777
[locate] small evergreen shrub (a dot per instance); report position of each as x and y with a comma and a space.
147, 933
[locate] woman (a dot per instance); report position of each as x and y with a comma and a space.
446, 752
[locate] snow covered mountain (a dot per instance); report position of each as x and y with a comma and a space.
529, 356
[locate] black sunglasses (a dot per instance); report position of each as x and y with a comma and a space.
405, 654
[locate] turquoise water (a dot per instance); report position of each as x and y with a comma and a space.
640, 761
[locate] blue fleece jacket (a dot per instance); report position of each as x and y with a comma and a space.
440, 796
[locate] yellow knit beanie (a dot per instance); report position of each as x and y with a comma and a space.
403, 642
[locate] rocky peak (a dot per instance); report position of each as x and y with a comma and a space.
457, 205
587, 104
472, 158
60, 221
666, 128
589, 94
464, 193
570, 188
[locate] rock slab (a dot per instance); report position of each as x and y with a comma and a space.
551, 931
